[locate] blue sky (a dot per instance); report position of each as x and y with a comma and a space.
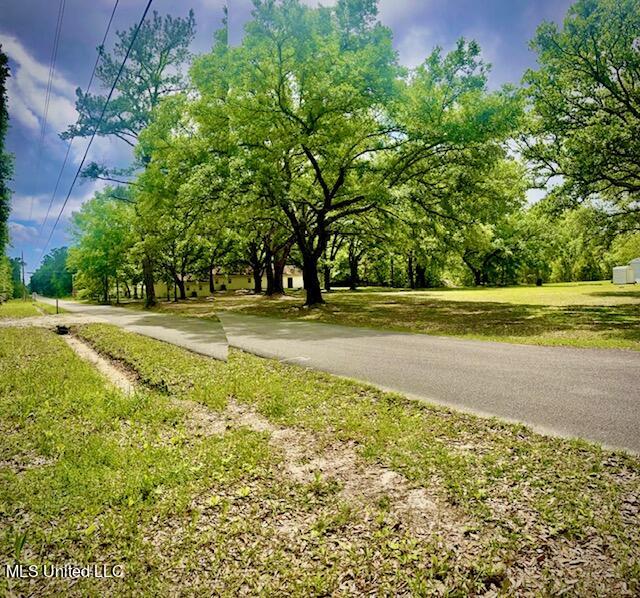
503, 29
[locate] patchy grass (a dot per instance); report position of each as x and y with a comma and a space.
16, 308
596, 314
534, 514
91, 476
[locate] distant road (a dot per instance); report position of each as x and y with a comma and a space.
589, 393
201, 336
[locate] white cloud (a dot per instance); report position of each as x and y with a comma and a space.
415, 46
32, 209
104, 150
21, 233
18, 109
396, 12
535, 195
27, 90
17, 52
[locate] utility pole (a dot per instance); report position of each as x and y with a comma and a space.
24, 287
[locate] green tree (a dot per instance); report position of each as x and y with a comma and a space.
102, 233
6, 169
581, 243
177, 192
585, 123
16, 277
52, 278
6, 286
152, 71
303, 114
624, 249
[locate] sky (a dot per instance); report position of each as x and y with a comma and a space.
503, 29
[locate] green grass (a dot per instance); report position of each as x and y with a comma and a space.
16, 308
89, 475
564, 507
599, 315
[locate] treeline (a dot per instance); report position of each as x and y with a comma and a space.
309, 144
53, 278
6, 166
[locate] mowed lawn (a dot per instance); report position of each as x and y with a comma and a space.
257, 477
17, 308
594, 314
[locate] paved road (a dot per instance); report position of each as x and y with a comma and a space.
201, 336
591, 393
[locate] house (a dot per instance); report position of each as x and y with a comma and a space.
628, 274
223, 281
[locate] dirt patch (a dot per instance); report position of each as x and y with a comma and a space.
202, 421
116, 376
307, 461
24, 461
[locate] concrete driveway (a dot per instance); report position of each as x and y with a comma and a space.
589, 393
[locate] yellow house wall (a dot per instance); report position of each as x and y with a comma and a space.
233, 282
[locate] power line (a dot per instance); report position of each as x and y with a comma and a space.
70, 143
95, 130
47, 95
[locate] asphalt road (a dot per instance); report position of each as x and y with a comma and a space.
588, 393
201, 336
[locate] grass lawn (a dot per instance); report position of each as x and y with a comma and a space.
594, 314
17, 308
257, 477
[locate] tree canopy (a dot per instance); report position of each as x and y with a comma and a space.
6, 168
585, 119
52, 278
309, 144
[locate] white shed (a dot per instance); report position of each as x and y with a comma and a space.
623, 275
635, 265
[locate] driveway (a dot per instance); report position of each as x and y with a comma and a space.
589, 393
201, 336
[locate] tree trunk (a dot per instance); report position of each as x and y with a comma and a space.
257, 280
353, 273
421, 279
180, 283
393, 274
117, 291
410, 275
147, 272
311, 281
279, 262
268, 268
278, 277
212, 286
327, 278
135, 290
105, 295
